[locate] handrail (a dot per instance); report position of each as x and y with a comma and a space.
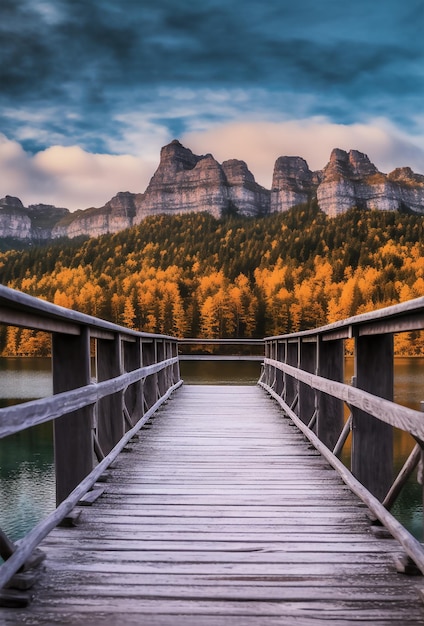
304, 372
186, 341
403, 317
20, 309
135, 373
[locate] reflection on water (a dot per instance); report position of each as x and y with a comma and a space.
27, 479
26, 460
25, 379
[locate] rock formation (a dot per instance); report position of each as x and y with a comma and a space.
33, 223
185, 182
292, 183
350, 179
116, 215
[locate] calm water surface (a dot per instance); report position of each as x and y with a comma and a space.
27, 482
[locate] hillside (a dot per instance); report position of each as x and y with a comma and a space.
196, 275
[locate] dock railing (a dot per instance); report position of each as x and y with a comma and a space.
95, 413
304, 372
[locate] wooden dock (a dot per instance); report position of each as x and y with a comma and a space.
221, 513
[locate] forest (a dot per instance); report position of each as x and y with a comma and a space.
195, 276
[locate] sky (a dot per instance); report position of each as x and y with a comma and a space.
90, 90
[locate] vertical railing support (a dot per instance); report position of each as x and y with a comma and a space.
73, 433
176, 367
372, 440
133, 403
280, 356
330, 409
268, 355
161, 376
150, 383
308, 362
110, 419
291, 384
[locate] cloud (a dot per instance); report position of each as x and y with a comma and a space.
261, 143
68, 176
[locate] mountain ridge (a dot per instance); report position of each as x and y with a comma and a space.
185, 182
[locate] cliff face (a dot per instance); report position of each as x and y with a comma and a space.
116, 215
185, 182
348, 180
292, 183
33, 223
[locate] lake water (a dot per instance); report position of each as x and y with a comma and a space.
27, 482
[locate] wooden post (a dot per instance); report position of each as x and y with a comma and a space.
110, 419
133, 394
330, 410
267, 373
291, 384
7, 547
280, 356
308, 362
73, 433
161, 355
169, 369
176, 367
372, 440
150, 384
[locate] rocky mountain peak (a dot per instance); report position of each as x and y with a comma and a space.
124, 202
352, 165
185, 182
292, 183
237, 172
406, 176
12, 202
175, 158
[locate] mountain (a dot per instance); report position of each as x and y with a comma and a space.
33, 223
185, 182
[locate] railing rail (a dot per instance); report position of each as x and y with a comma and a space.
304, 372
93, 418
222, 349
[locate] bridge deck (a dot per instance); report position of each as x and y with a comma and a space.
221, 514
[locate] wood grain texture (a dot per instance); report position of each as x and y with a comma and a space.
221, 516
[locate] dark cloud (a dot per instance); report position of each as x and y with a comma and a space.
92, 59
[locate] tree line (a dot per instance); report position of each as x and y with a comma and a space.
194, 275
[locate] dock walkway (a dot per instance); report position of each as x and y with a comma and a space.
221, 513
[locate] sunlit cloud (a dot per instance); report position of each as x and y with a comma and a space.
68, 176
261, 143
